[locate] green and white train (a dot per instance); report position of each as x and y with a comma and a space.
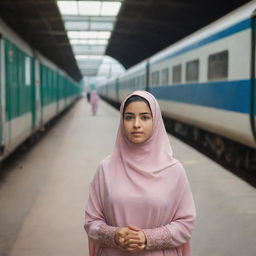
33, 90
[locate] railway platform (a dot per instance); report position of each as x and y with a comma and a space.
43, 192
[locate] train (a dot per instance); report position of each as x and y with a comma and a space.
33, 90
205, 85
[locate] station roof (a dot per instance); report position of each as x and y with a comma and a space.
40, 24
142, 27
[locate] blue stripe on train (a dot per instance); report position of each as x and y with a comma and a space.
245, 24
228, 95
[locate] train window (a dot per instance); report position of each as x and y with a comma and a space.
192, 71
155, 78
165, 76
27, 71
176, 74
218, 65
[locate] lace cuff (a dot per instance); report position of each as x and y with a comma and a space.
107, 236
158, 238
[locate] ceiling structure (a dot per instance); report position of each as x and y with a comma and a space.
40, 24
142, 28
89, 25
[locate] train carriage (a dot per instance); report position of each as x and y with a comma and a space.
33, 90
213, 91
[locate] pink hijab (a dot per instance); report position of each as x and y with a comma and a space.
142, 185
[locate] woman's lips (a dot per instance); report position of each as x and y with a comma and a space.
137, 133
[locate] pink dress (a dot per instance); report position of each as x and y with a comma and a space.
145, 186
94, 100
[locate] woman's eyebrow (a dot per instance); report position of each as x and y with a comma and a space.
143, 113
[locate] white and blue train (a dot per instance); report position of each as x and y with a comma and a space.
206, 80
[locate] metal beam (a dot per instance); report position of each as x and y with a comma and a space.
90, 18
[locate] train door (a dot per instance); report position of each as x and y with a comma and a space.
30, 76
57, 84
253, 76
38, 112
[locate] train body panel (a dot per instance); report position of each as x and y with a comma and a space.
49, 112
61, 105
112, 90
208, 119
19, 130
134, 79
237, 47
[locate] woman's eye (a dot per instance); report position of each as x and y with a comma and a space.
128, 117
145, 117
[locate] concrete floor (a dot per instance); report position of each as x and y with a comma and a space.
43, 192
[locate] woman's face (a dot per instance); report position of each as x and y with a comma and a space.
138, 122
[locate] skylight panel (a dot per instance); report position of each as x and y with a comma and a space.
77, 25
82, 57
88, 34
68, 7
89, 41
99, 42
101, 26
73, 34
78, 41
104, 35
88, 49
110, 8
89, 7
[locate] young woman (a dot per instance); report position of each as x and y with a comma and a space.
94, 100
140, 200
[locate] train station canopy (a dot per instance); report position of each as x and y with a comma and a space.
128, 32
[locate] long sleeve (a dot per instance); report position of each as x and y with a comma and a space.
95, 224
179, 230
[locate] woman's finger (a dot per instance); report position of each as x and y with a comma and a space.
131, 236
130, 241
134, 228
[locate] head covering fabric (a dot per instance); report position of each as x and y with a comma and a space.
150, 157
142, 185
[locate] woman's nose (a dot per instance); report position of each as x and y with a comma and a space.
136, 122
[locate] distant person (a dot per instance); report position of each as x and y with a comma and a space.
88, 95
140, 200
94, 100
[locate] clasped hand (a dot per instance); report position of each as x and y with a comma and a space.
130, 239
